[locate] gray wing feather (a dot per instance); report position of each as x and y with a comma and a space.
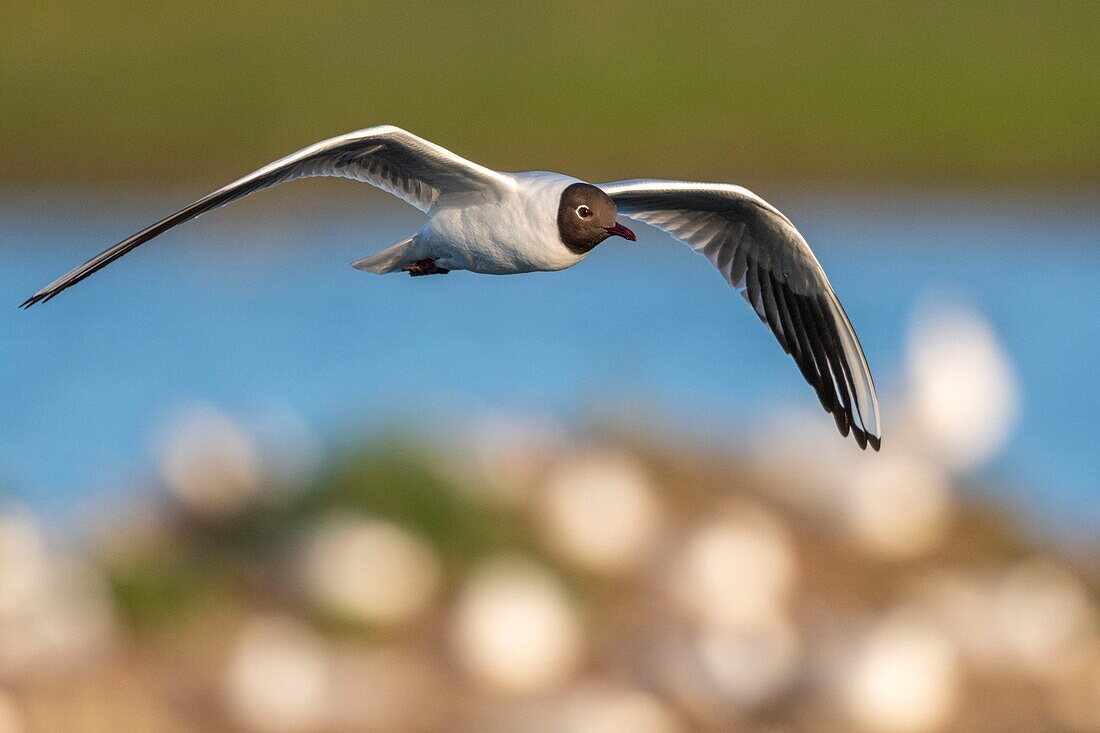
396, 161
761, 253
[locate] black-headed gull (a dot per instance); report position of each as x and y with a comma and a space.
505, 223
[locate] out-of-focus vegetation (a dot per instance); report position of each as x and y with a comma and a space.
1003, 92
523, 581
176, 580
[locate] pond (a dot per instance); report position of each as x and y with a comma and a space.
256, 310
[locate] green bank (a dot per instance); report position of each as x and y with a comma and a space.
999, 93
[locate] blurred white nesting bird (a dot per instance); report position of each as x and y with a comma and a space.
497, 223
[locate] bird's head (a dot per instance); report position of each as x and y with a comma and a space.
586, 217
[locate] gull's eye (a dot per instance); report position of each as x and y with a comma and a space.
584, 212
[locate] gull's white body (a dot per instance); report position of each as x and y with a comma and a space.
496, 223
514, 233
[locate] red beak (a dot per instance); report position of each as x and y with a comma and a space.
620, 231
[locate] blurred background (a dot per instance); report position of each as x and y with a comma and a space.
247, 488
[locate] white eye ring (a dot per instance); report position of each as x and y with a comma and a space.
584, 212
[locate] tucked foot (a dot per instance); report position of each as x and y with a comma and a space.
424, 267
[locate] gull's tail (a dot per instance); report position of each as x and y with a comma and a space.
388, 260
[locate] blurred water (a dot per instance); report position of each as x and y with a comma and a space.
257, 311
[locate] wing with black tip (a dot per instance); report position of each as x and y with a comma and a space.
759, 252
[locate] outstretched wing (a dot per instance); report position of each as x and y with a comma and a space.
396, 161
759, 251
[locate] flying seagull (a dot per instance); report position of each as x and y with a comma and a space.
496, 223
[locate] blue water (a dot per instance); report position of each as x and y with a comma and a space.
255, 308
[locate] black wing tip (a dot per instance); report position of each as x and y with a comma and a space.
861, 438
846, 426
43, 297
865, 439
31, 301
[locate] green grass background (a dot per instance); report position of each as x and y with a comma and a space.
978, 93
